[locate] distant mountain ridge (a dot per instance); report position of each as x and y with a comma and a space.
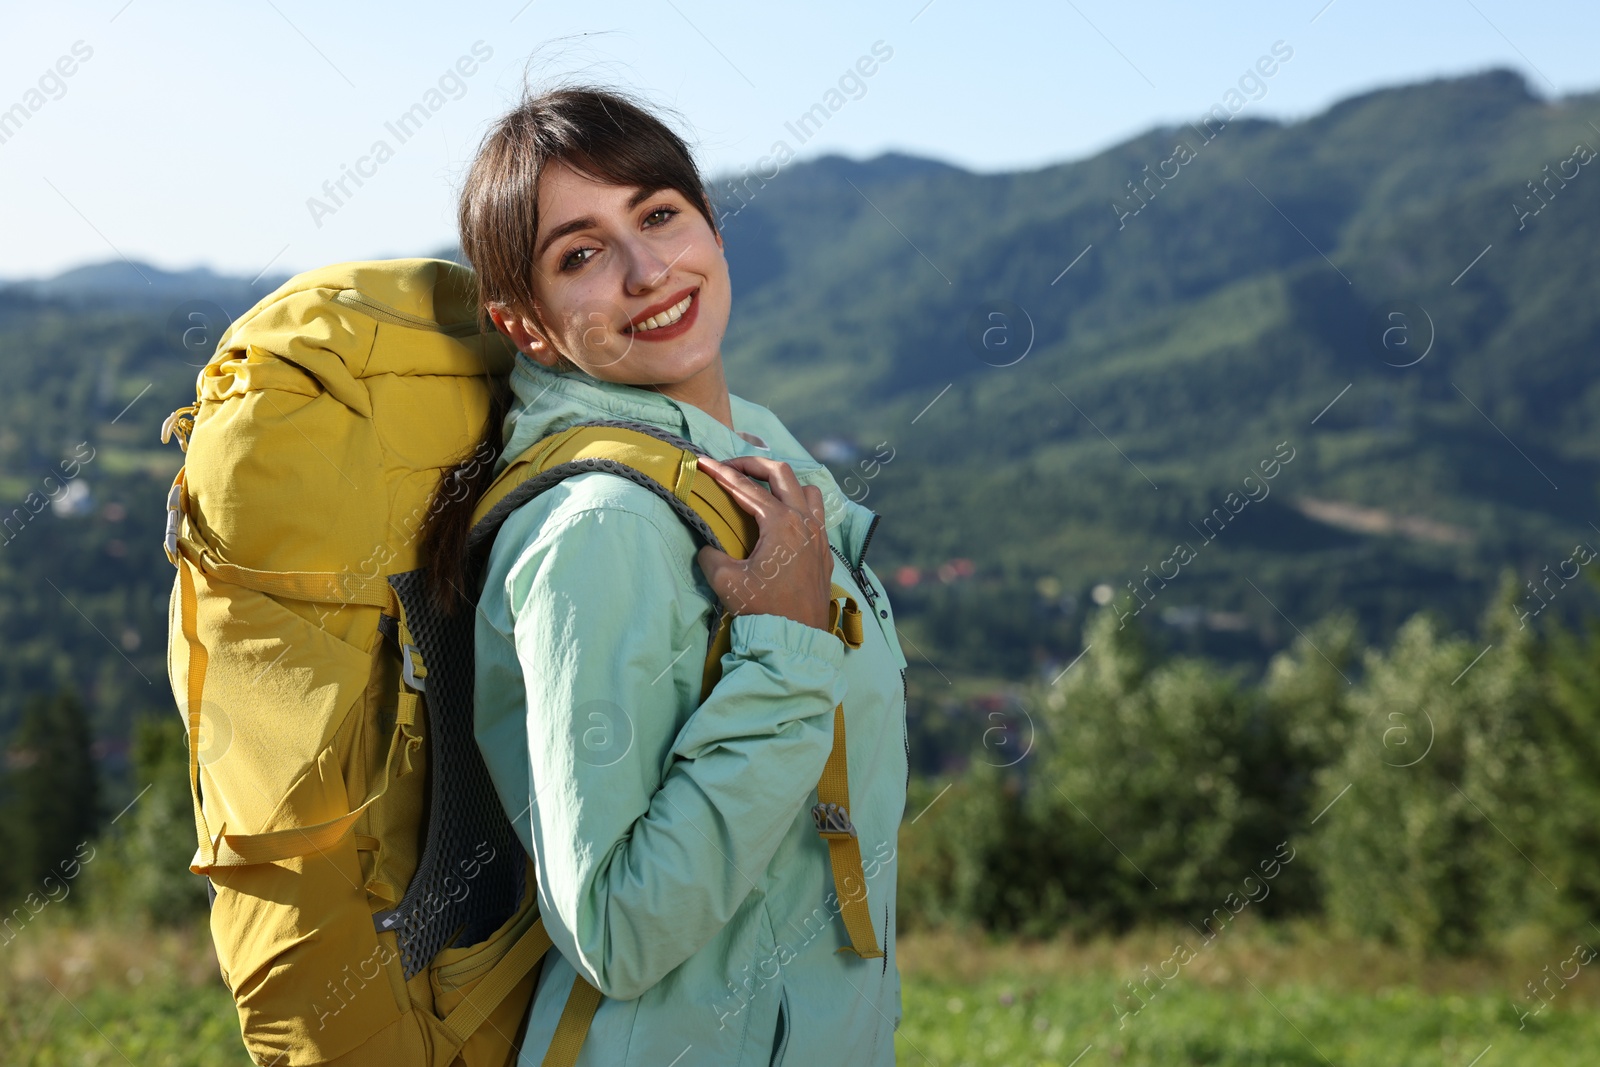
132, 283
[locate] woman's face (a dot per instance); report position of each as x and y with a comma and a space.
610, 260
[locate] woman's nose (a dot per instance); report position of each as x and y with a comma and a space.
647, 268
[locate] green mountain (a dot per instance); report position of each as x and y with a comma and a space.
1045, 381
1200, 326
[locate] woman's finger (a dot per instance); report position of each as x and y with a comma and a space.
807, 500
786, 491
757, 501
780, 479
779, 476
781, 543
817, 505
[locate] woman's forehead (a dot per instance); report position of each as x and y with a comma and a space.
560, 182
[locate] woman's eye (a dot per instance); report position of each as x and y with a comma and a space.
566, 262
668, 211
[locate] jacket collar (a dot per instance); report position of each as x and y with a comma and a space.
547, 402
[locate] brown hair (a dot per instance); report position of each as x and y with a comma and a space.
602, 133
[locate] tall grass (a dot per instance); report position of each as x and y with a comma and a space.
1263, 993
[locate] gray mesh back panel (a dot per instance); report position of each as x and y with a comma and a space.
442, 905
465, 821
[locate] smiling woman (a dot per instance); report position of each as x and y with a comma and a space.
685, 812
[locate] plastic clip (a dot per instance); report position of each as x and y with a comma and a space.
174, 520
832, 819
410, 660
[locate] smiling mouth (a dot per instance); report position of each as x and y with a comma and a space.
665, 318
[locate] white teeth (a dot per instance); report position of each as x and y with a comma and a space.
667, 317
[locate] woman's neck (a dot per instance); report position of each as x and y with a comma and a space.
707, 391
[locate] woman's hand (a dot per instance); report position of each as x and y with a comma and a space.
789, 572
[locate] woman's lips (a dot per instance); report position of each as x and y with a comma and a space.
667, 333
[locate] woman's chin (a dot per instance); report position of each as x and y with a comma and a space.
667, 368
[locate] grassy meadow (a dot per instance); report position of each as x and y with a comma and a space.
83, 996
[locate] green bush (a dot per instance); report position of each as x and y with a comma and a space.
142, 873
1145, 757
1154, 789
1425, 843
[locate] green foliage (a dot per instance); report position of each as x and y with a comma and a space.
143, 873
83, 595
1157, 786
1147, 758
51, 796
974, 857
102, 994
1425, 843
1299, 723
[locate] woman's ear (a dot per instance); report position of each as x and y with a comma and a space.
523, 333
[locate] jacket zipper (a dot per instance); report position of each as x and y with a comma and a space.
905, 731
866, 587
867, 540
860, 579
870, 593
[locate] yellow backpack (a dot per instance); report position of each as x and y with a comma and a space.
371, 903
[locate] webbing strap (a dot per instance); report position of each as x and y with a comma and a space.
519, 959
197, 684
833, 796
317, 587
582, 1003
845, 620
683, 486
844, 850
673, 469
721, 643
409, 706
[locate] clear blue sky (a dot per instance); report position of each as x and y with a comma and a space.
195, 133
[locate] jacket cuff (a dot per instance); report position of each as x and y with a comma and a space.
753, 635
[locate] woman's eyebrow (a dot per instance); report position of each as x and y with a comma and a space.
586, 221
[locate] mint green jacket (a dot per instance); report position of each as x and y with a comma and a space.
679, 868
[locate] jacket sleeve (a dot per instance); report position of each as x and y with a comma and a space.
648, 837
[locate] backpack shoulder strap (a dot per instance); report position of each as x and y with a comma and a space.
656, 459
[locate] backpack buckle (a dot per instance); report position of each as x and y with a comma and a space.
832, 819
175, 510
180, 422
410, 663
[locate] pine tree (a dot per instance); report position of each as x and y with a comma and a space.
55, 796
